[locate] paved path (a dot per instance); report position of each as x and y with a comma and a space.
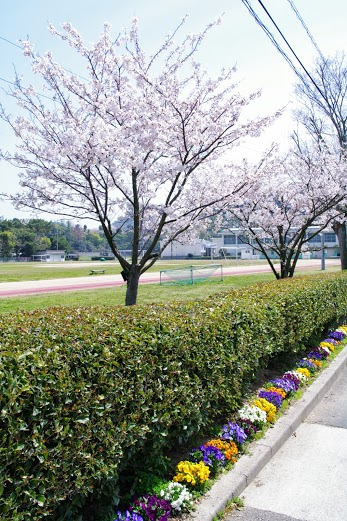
12, 289
307, 479
298, 470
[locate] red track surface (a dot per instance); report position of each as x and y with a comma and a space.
70, 287
16, 289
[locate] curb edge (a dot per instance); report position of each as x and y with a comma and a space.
235, 481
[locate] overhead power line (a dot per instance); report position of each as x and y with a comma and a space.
278, 47
22, 48
270, 36
7, 81
16, 85
299, 17
286, 41
12, 43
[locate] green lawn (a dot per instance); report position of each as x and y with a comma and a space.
17, 271
148, 293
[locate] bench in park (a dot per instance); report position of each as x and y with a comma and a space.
92, 272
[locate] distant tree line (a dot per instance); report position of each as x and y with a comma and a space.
23, 238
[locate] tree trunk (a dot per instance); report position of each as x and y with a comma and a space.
133, 277
284, 265
340, 230
284, 271
291, 271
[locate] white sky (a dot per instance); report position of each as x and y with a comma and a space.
239, 40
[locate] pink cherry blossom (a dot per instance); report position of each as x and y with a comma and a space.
145, 137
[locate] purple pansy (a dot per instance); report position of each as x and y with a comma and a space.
272, 397
317, 354
330, 341
153, 508
211, 456
292, 378
307, 364
286, 384
336, 335
232, 431
248, 426
128, 516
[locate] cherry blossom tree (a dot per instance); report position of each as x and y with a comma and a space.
324, 116
140, 136
289, 195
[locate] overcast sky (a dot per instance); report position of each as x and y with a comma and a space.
239, 40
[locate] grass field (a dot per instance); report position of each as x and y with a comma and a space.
17, 271
148, 293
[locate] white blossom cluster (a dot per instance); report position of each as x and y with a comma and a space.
178, 496
253, 414
288, 193
298, 375
137, 131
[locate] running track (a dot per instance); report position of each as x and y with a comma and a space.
15, 289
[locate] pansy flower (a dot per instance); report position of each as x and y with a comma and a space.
233, 431
271, 397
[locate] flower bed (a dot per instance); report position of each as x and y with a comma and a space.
216, 455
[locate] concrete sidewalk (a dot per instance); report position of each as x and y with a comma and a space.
298, 470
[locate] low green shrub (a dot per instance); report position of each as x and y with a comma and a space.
89, 398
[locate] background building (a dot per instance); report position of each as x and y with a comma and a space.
49, 256
233, 244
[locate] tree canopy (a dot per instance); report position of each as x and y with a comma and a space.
324, 116
145, 136
25, 237
287, 195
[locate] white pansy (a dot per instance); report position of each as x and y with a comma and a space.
252, 413
298, 375
178, 496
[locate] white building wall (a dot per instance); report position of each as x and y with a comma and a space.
49, 256
313, 249
176, 249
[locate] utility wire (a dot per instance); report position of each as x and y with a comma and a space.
17, 86
12, 43
7, 81
21, 47
299, 17
290, 47
272, 38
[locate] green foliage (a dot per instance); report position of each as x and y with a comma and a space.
7, 243
148, 483
235, 503
93, 397
26, 237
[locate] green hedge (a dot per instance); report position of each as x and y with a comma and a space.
87, 394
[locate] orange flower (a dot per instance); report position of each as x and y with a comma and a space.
317, 363
277, 390
228, 448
